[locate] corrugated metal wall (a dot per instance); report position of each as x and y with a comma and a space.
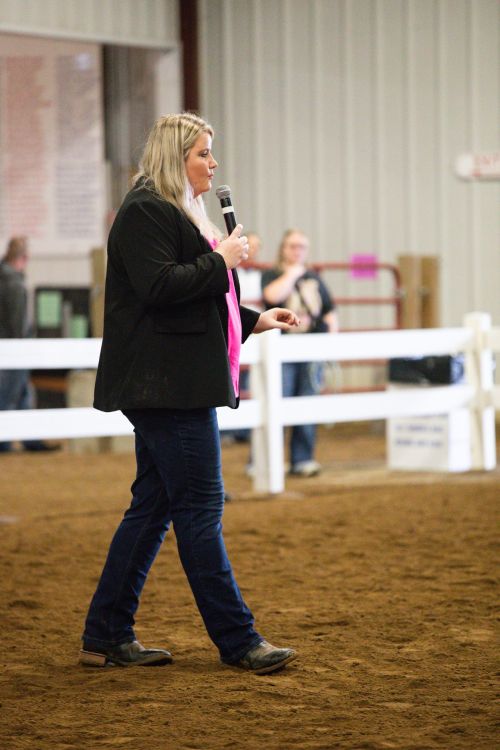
136, 22
344, 117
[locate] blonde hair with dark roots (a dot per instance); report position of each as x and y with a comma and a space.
162, 165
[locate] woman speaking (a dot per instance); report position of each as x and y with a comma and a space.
173, 330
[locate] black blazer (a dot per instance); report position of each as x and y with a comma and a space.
165, 314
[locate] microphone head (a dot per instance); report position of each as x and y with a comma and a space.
224, 191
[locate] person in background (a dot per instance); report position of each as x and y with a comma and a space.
173, 327
300, 289
16, 391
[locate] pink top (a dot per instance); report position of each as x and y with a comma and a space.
233, 329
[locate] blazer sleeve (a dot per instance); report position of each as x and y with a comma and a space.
149, 245
249, 320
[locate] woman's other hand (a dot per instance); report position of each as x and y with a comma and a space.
277, 317
234, 249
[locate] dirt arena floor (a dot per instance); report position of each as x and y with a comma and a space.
383, 582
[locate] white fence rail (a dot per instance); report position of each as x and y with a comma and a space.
268, 412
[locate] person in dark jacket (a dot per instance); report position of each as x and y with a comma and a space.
173, 328
16, 391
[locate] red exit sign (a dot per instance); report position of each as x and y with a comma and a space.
481, 166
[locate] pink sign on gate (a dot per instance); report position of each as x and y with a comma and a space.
362, 272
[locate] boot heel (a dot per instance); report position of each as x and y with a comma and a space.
91, 659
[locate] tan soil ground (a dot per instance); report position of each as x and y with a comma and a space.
384, 583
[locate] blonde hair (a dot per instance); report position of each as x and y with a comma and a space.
17, 248
288, 233
162, 166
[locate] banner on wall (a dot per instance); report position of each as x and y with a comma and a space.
51, 144
481, 166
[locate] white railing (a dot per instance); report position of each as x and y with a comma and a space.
268, 412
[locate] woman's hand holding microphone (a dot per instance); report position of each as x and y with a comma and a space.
234, 249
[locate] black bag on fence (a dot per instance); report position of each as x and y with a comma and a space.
442, 370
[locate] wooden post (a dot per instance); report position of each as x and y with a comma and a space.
411, 282
431, 299
98, 260
188, 16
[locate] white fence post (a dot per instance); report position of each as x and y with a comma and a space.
479, 373
267, 440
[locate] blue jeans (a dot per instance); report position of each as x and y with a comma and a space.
301, 379
179, 480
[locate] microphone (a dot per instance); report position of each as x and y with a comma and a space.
223, 193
